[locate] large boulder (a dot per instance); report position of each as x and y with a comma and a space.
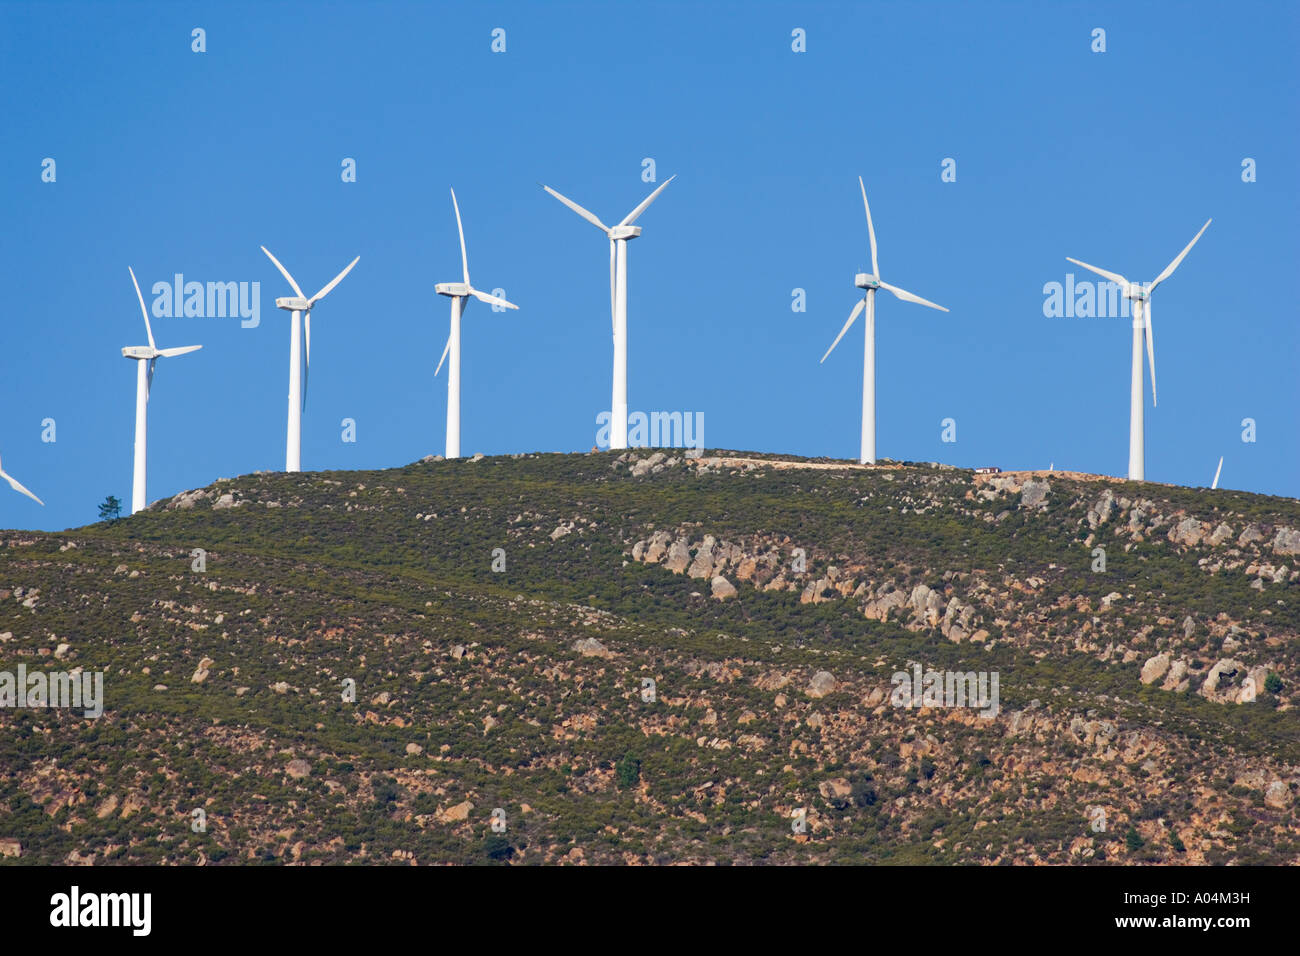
1277, 795
1176, 679
957, 620
657, 547
1224, 669
702, 566
186, 500
457, 814
201, 672
1034, 494
836, 791
590, 647
1189, 532
1155, 668
822, 683
679, 556
1221, 534
927, 605
815, 592
880, 608
1250, 535
1101, 510
1286, 542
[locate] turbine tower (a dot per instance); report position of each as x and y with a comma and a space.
145, 356
299, 305
1140, 295
618, 238
16, 486
871, 282
459, 293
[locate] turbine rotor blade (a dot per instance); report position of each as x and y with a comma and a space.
306, 371
1112, 276
143, 311
1169, 269
857, 310
284, 272
612, 266
590, 217
1151, 350
148, 379
179, 350
17, 486
1218, 471
491, 299
445, 349
909, 297
871, 230
464, 259
332, 283
645, 203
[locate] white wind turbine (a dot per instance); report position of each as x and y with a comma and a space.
871, 282
618, 237
299, 304
1218, 471
17, 486
1140, 295
459, 293
145, 357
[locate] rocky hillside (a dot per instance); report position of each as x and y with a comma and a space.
648, 658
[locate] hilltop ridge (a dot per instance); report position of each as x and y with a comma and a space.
499, 619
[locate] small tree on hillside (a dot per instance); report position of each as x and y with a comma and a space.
111, 509
1133, 840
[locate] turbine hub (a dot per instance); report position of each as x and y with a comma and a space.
293, 304
624, 232
452, 288
865, 280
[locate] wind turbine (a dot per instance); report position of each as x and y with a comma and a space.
871, 282
1217, 472
299, 304
16, 486
1140, 295
618, 238
459, 293
145, 357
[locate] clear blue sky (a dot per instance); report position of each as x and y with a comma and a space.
173, 161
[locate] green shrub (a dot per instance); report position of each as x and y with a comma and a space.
628, 772
497, 848
1133, 840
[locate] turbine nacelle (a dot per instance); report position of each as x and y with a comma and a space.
865, 280
293, 304
624, 232
139, 352
453, 289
